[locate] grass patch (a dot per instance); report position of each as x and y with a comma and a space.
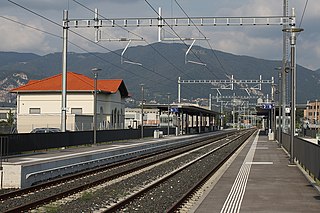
86, 196
52, 209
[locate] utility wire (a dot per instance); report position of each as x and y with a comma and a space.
228, 74
74, 44
31, 27
128, 31
304, 11
172, 64
151, 45
83, 37
203, 36
174, 32
47, 19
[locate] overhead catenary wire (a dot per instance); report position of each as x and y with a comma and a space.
83, 37
176, 33
203, 36
151, 45
304, 11
123, 28
72, 43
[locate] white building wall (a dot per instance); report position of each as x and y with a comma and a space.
51, 103
50, 110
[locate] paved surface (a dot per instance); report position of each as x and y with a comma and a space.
312, 140
260, 180
39, 157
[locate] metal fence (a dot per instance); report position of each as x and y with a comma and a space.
26, 142
306, 153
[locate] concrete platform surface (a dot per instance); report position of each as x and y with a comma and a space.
261, 180
23, 170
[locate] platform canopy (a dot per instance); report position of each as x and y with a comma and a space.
183, 108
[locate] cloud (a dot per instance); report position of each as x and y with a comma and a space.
39, 4
124, 1
260, 41
20, 38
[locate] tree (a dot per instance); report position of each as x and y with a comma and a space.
10, 119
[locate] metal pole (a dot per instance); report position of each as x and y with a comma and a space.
1, 168
293, 31
168, 113
142, 102
95, 110
210, 102
64, 71
273, 127
179, 90
293, 102
160, 24
284, 66
95, 72
233, 111
280, 112
316, 115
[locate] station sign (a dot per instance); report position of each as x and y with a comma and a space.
175, 110
267, 106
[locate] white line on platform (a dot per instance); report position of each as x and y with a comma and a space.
235, 196
260, 163
262, 147
30, 160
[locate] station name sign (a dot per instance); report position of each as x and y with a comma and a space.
267, 106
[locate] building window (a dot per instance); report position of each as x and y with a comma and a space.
76, 111
3, 115
34, 111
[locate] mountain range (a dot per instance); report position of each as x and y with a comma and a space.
157, 66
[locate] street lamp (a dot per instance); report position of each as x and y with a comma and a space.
293, 37
142, 101
279, 105
95, 73
168, 94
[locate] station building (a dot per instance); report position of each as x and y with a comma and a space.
39, 103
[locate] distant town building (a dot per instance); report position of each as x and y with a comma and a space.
133, 117
311, 114
39, 103
5, 110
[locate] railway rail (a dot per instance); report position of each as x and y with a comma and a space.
119, 173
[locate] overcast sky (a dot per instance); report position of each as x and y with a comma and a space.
261, 42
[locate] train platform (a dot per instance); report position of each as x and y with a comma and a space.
260, 179
23, 170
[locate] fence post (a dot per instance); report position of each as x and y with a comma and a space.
4, 149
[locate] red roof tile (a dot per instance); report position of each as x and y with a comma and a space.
75, 82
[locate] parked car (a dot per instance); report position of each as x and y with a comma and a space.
45, 130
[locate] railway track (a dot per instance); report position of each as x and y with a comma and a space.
42, 194
176, 177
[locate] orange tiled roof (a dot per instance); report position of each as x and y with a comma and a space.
75, 82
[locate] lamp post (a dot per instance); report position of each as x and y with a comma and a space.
279, 105
168, 94
293, 37
142, 102
273, 109
316, 115
95, 73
